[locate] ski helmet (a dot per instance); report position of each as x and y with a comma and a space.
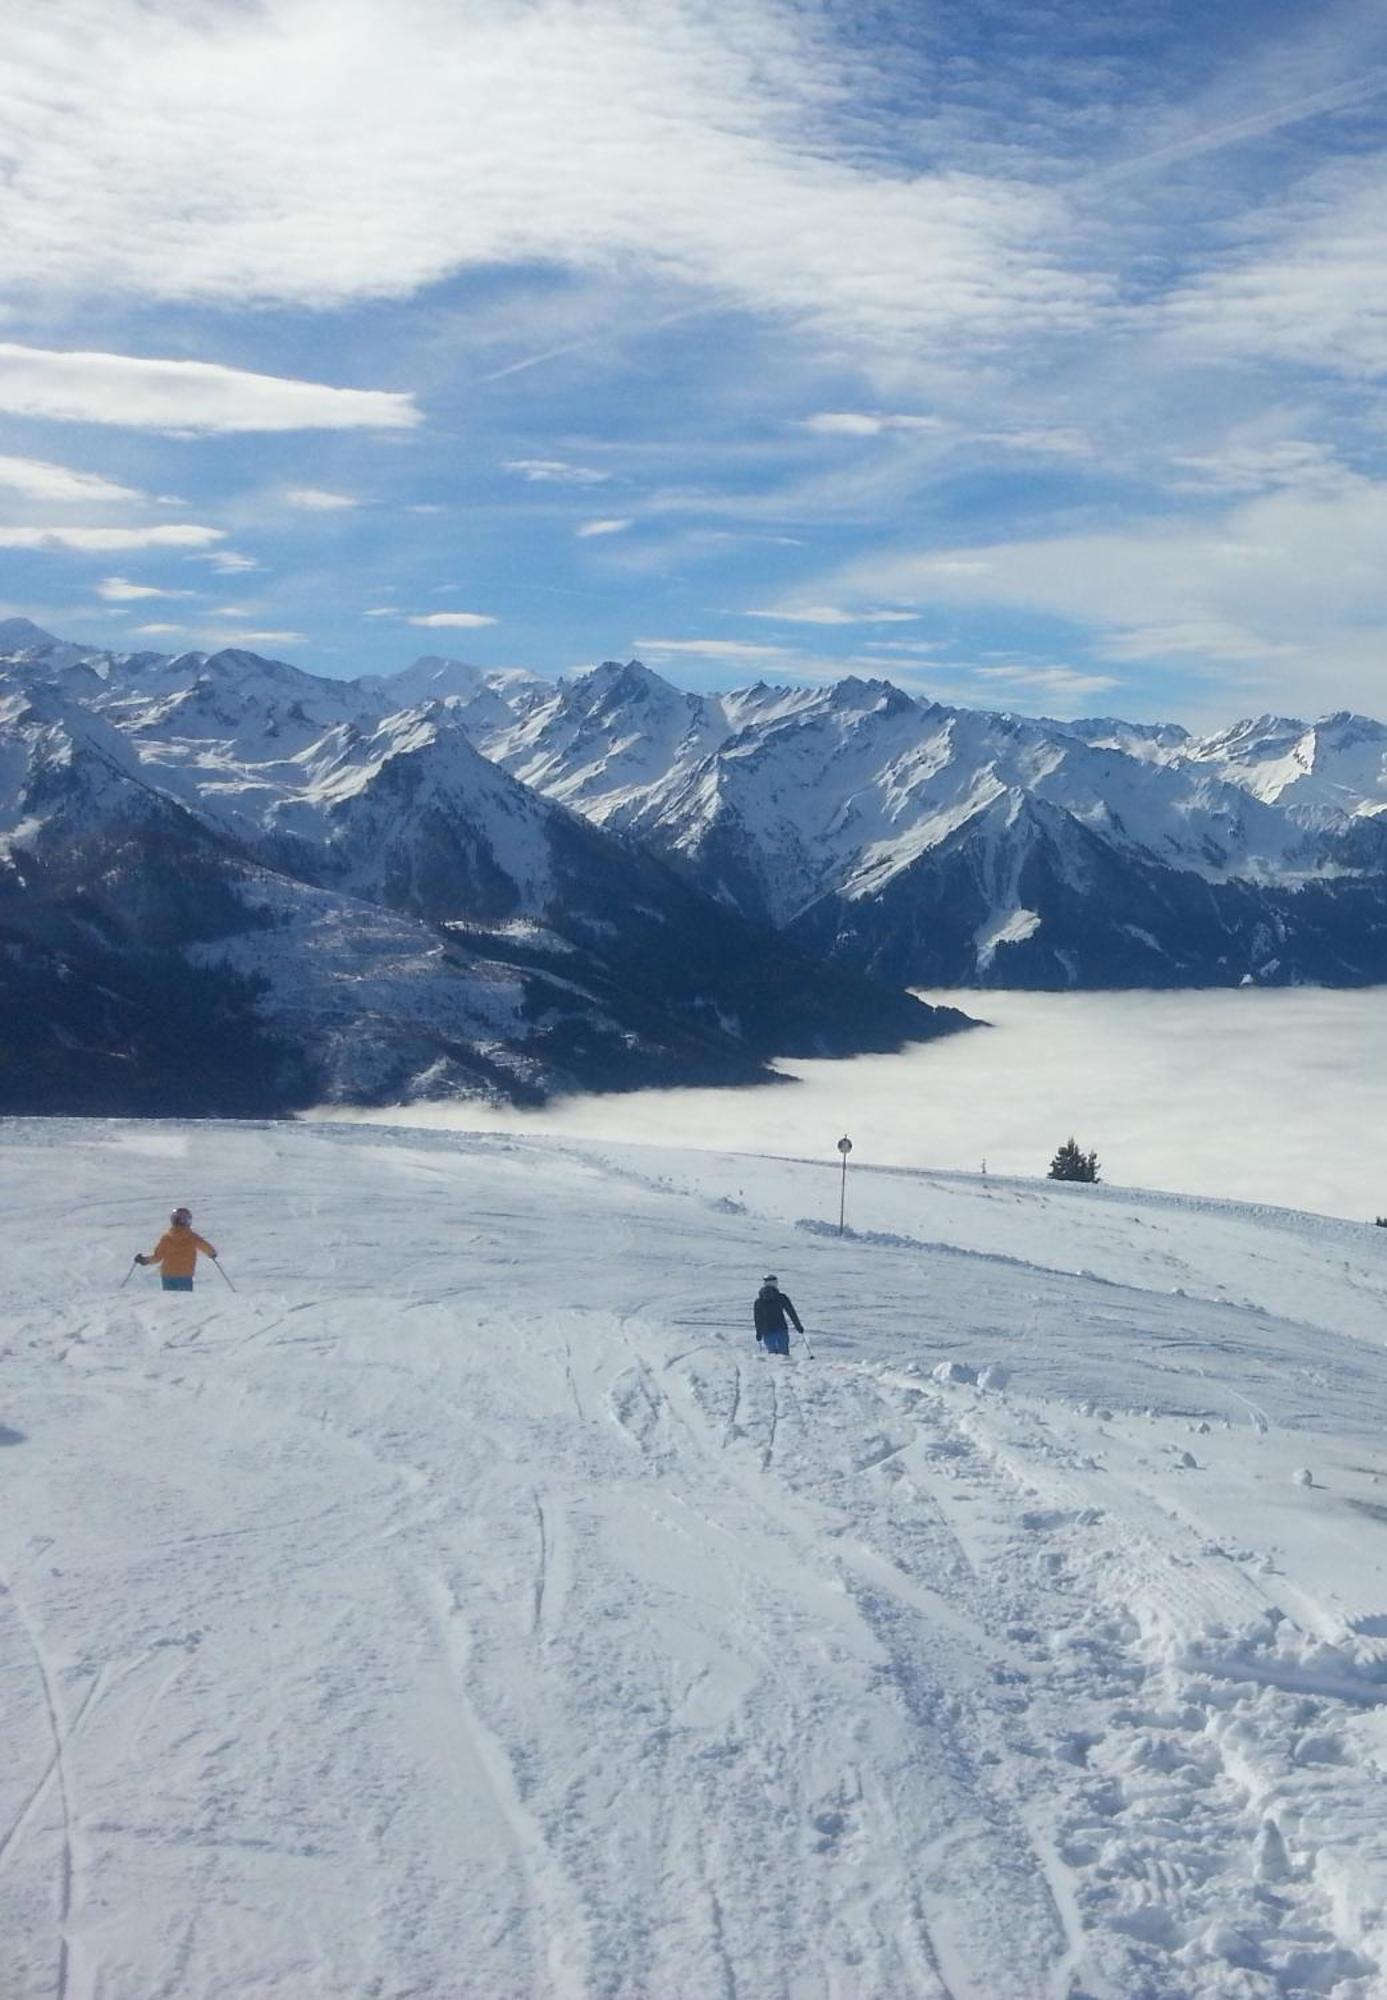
181, 1217
770, 1281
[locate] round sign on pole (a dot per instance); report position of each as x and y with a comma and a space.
845, 1145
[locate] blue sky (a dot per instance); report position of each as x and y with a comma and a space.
1030, 354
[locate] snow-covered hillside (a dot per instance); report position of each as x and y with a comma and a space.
462, 1607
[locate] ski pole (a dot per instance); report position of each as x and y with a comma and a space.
129, 1275
805, 1338
217, 1262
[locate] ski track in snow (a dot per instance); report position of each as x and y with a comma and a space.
454, 1613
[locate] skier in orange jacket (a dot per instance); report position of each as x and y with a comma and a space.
176, 1252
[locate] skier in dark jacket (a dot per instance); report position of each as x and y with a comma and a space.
770, 1311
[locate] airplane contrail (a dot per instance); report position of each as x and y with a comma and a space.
1340, 98
590, 340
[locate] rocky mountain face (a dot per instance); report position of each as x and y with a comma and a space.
229, 886
945, 846
226, 884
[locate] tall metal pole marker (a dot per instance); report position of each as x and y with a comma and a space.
844, 1147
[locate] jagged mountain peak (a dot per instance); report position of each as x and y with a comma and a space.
615, 682
23, 634
441, 677
855, 693
1345, 726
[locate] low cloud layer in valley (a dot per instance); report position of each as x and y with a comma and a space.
1276, 1097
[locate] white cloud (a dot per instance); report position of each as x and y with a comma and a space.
870, 423
902, 645
382, 611
1204, 639
158, 630
713, 649
318, 499
184, 396
119, 590
230, 562
693, 142
832, 614
1065, 683
1244, 464
467, 620
37, 480
1307, 287
106, 541
555, 472
1049, 440
1291, 582
271, 638
590, 528
1045, 441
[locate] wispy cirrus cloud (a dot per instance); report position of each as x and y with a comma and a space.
1057, 682
831, 614
120, 590
1305, 286
36, 479
712, 649
109, 541
260, 636
587, 530
466, 621
872, 423
1290, 583
711, 166
1260, 464
231, 562
184, 396
555, 472
1057, 440
319, 500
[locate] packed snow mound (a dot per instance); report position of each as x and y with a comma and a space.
461, 1604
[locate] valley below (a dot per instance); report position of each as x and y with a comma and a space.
1277, 1097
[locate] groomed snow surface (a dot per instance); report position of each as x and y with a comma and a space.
463, 1610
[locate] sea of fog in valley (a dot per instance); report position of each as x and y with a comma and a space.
1267, 1096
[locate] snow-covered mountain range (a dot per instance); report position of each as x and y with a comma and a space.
950, 846
227, 884
457, 879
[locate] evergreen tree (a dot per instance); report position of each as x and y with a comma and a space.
1072, 1163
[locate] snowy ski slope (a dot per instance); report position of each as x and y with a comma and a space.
463, 1611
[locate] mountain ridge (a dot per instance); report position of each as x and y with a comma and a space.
391, 914
863, 820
